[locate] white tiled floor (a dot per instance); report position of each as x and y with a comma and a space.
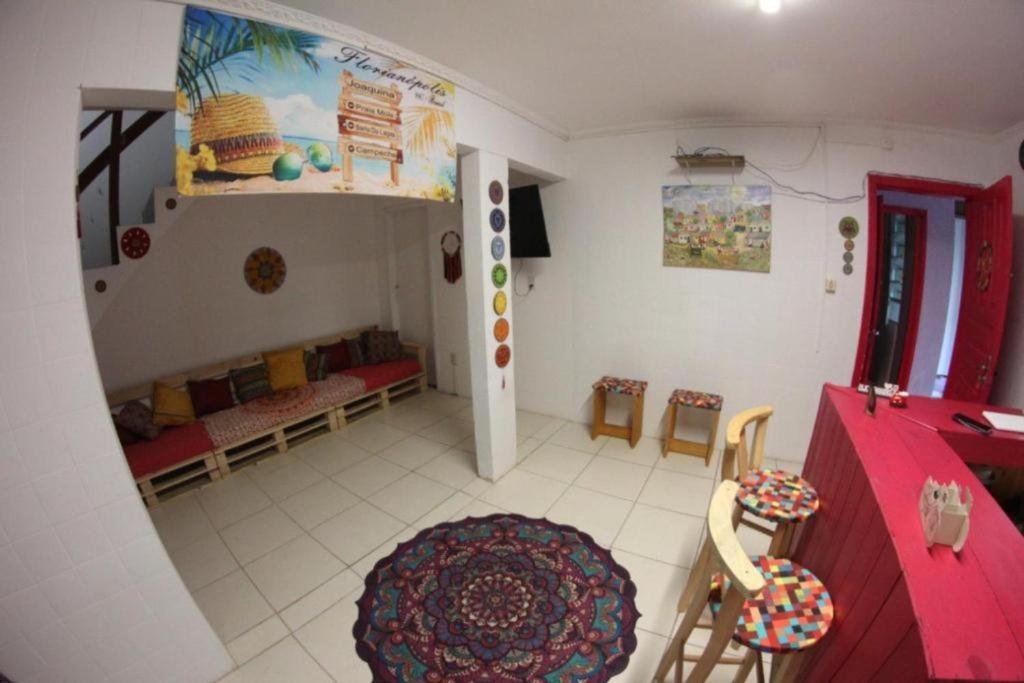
275, 554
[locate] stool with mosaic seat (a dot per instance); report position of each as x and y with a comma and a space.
782, 498
633, 388
700, 400
768, 604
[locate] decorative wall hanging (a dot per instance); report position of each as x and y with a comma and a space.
848, 245
849, 227
847, 269
100, 286
717, 226
985, 266
135, 242
848, 257
171, 203
281, 110
502, 355
500, 303
497, 220
451, 248
499, 275
496, 192
264, 270
498, 248
501, 329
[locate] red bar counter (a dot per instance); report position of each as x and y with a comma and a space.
905, 612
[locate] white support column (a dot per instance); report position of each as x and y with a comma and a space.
494, 392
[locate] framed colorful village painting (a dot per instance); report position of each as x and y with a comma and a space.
718, 226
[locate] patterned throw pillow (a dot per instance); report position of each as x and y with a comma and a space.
250, 383
210, 395
316, 366
136, 418
171, 407
285, 369
337, 356
356, 352
381, 346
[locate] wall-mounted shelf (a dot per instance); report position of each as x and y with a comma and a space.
710, 161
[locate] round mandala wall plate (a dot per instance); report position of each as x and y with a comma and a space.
264, 270
847, 269
497, 220
135, 243
848, 257
502, 355
496, 192
499, 275
498, 248
848, 245
849, 227
500, 303
501, 329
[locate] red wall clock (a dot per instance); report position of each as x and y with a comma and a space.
135, 242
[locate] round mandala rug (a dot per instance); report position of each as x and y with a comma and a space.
500, 599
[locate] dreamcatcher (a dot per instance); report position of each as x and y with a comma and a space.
451, 248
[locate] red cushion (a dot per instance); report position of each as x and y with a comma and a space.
174, 445
383, 374
210, 395
338, 358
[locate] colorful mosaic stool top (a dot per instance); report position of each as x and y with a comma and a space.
618, 385
696, 399
775, 494
793, 612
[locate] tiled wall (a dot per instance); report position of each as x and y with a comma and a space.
87, 592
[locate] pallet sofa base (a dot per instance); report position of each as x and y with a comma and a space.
220, 462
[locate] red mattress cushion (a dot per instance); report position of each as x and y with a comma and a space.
383, 374
174, 445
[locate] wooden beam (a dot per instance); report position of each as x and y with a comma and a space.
114, 183
92, 126
102, 160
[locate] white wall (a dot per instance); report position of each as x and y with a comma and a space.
938, 273
187, 304
603, 304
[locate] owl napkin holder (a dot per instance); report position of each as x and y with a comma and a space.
944, 516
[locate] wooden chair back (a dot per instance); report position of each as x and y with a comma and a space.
720, 554
738, 458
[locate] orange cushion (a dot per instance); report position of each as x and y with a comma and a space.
171, 406
287, 369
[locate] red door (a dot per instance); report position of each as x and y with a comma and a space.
988, 260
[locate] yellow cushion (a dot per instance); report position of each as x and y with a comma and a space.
171, 406
286, 369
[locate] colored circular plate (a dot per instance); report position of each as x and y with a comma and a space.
496, 192
498, 247
848, 227
500, 303
135, 243
502, 355
848, 245
497, 220
264, 270
847, 269
848, 257
501, 329
499, 275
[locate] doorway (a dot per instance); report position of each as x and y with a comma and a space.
938, 278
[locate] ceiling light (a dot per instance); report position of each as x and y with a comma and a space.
770, 6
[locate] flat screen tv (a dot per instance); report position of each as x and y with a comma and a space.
527, 230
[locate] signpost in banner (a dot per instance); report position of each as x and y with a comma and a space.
369, 111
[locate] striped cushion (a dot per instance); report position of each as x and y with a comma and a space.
316, 365
250, 383
356, 352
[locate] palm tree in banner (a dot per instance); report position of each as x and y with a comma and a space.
212, 42
425, 127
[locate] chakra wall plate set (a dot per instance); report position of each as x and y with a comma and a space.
848, 228
499, 275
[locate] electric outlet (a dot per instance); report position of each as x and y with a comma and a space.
830, 286
454, 358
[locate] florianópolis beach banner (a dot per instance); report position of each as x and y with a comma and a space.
263, 108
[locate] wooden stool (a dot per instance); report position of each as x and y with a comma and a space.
772, 495
627, 387
692, 399
766, 603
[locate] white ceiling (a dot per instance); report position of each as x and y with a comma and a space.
588, 65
